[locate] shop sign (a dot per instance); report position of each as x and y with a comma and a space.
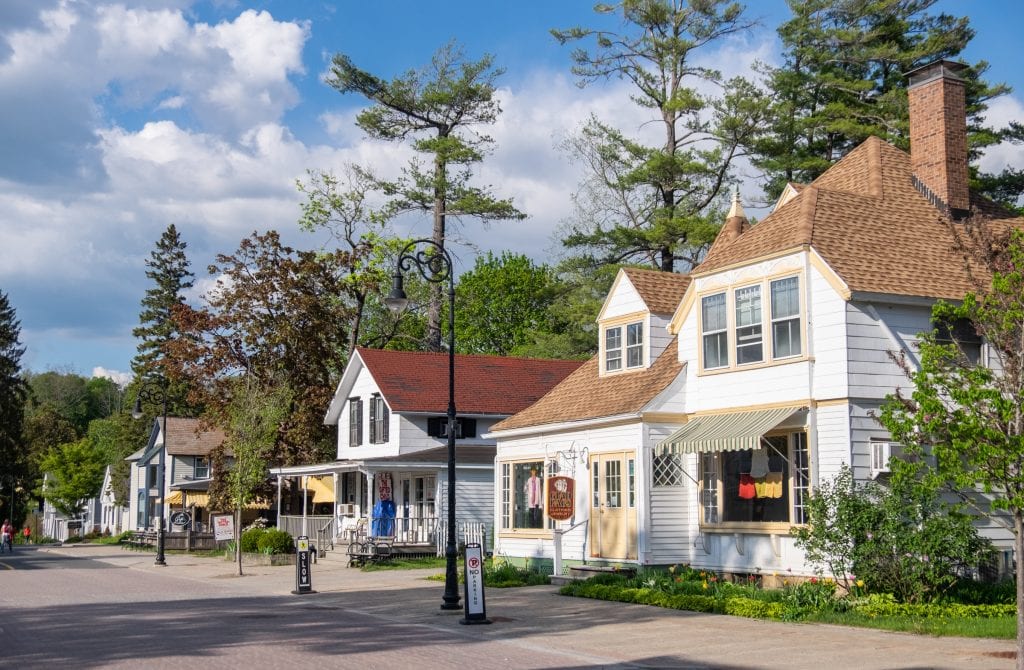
223, 527
181, 519
561, 497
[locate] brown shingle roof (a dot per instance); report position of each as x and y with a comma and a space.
870, 224
416, 381
185, 438
585, 395
660, 291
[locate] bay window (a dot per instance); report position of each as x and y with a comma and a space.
767, 485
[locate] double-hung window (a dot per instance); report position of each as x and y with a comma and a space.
378, 420
355, 422
714, 329
785, 317
749, 348
613, 349
201, 467
523, 496
634, 346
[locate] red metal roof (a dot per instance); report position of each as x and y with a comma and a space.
415, 381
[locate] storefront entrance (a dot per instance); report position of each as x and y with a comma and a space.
613, 505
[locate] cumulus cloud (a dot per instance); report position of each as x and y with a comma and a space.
122, 379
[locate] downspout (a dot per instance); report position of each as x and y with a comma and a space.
812, 410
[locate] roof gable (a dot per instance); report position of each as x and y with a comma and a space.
587, 395
866, 219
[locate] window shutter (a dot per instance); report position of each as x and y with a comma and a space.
383, 420
468, 427
373, 420
434, 428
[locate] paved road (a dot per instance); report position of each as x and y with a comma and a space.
109, 608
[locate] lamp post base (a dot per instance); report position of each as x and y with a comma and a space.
160, 538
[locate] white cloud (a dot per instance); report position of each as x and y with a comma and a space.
122, 379
999, 114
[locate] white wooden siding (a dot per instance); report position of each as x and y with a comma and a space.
873, 374
827, 325
474, 497
834, 441
624, 300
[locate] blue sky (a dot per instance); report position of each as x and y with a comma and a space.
121, 118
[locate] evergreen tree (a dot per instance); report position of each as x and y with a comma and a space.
440, 107
168, 268
843, 80
658, 204
13, 393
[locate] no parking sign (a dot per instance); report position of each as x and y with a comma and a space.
475, 608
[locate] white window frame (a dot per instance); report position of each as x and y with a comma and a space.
628, 350
510, 493
767, 325
717, 333
201, 462
755, 338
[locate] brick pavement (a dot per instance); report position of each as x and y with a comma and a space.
380, 619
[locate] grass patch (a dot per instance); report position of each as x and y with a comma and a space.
502, 575
406, 564
1002, 628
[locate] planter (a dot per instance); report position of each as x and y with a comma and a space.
263, 559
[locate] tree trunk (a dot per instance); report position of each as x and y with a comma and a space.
1018, 554
238, 536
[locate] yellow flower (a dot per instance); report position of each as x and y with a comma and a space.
860, 583
705, 585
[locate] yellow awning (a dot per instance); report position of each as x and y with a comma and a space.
725, 432
322, 488
199, 499
174, 498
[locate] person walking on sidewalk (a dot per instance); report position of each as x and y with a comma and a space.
27, 533
7, 537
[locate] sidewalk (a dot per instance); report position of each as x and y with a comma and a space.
535, 622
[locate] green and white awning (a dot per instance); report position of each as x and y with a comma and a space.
725, 432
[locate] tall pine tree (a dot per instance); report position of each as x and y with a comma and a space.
440, 107
657, 204
13, 393
168, 268
842, 80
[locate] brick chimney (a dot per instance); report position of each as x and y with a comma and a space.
938, 135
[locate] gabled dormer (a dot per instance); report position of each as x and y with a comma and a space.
632, 321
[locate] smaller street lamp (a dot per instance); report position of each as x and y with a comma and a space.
156, 391
435, 265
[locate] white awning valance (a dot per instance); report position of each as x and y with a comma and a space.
725, 432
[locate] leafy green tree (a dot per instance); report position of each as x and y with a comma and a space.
969, 413
441, 107
168, 268
118, 437
842, 80
13, 394
66, 393
74, 474
500, 303
340, 205
275, 316
255, 418
901, 538
658, 204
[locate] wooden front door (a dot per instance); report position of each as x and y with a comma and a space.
613, 505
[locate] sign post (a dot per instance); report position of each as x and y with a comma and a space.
303, 575
476, 606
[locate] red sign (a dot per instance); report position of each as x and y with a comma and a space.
561, 498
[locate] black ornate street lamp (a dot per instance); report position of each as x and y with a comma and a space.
435, 265
153, 391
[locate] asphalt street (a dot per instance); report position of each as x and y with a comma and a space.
104, 607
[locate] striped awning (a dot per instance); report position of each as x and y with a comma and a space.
725, 432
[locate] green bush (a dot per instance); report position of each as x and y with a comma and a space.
884, 605
273, 541
251, 540
754, 609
